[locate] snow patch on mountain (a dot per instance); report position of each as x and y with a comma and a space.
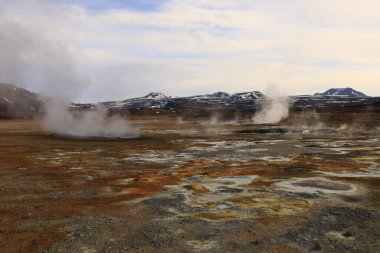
234, 96
216, 95
248, 95
7, 100
156, 96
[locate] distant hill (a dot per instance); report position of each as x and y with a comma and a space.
158, 100
234, 96
18, 102
246, 101
348, 92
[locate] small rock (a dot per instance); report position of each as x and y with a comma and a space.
197, 188
225, 205
76, 168
348, 234
86, 177
317, 247
306, 132
256, 242
167, 173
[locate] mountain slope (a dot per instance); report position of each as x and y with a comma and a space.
349, 92
18, 102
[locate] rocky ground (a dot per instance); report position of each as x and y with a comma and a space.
190, 187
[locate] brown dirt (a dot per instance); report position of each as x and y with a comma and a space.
185, 188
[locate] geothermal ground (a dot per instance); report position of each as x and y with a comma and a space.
190, 188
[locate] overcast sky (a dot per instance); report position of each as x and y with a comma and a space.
116, 49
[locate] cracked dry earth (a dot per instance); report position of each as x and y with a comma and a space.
190, 188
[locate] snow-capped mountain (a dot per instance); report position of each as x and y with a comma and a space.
337, 98
156, 96
159, 100
216, 95
248, 95
219, 94
348, 92
20, 102
234, 96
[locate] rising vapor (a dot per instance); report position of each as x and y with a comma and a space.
273, 109
35, 56
94, 123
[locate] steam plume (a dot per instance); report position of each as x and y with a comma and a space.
274, 108
95, 123
61, 120
36, 56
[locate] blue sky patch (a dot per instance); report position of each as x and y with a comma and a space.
135, 5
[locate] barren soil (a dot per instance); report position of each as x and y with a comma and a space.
190, 188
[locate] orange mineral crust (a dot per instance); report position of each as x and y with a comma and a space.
189, 187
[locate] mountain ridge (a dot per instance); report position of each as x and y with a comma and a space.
23, 103
349, 92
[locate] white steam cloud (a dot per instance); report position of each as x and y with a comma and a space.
61, 120
95, 123
273, 109
36, 55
